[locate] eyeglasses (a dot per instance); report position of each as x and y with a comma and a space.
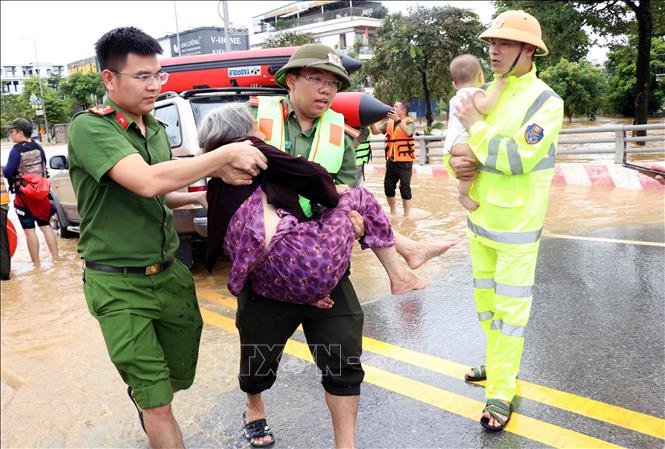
160, 77
320, 82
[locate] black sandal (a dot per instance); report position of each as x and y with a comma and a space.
498, 410
478, 374
129, 393
257, 429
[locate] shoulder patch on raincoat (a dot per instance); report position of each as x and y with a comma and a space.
533, 134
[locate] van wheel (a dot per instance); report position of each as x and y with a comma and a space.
56, 224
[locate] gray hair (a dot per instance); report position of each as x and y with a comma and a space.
224, 124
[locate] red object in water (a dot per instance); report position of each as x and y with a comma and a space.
12, 237
359, 108
247, 68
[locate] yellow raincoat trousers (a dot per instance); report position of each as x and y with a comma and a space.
516, 147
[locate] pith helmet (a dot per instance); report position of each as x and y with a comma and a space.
315, 56
516, 26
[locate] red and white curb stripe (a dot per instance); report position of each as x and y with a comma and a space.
606, 175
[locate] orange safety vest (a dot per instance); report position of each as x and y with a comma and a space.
399, 145
4, 192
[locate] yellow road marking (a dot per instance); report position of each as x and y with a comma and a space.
521, 425
612, 414
599, 239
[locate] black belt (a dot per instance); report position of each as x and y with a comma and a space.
149, 270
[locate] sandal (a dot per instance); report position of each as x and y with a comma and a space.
498, 410
129, 393
257, 429
478, 374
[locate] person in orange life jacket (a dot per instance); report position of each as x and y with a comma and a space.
400, 154
27, 157
6, 261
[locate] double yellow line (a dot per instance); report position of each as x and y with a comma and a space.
521, 425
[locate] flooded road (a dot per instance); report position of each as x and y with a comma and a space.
59, 388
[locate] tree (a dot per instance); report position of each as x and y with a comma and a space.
56, 107
54, 80
83, 89
561, 25
412, 53
621, 67
579, 84
13, 106
287, 39
619, 17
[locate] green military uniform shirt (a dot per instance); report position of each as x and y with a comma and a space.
118, 227
298, 143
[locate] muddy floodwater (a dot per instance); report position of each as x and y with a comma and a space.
59, 388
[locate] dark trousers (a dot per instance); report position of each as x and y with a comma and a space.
6, 260
334, 337
398, 172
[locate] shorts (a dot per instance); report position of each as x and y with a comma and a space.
28, 221
152, 328
334, 337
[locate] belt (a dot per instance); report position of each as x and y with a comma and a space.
149, 270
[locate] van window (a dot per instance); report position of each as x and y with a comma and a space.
169, 115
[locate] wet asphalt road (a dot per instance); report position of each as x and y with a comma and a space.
596, 331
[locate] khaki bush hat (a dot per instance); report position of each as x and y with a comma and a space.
315, 56
516, 26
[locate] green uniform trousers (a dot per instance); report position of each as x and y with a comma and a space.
152, 328
503, 283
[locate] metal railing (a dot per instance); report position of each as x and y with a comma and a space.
431, 147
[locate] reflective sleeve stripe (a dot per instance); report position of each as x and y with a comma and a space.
485, 316
542, 98
507, 329
484, 283
504, 237
514, 158
547, 162
493, 153
515, 291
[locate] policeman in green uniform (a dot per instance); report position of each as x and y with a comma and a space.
124, 178
303, 124
515, 147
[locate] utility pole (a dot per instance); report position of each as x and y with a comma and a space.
41, 90
225, 18
177, 32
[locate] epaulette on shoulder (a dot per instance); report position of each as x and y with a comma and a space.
254, 101
351, 131
102, 109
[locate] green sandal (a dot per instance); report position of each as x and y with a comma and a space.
498, 410
478, 374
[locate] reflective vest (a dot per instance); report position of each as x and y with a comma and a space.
364, 151
516, 145
4, 192
327, 146
399, 145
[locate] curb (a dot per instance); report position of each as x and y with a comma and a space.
603, 174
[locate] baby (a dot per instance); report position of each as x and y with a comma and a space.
468, 79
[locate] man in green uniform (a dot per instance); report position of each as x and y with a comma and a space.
124, 178
515, 147
303, 124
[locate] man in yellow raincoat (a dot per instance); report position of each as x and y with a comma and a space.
514, 148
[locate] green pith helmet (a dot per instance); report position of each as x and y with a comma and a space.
315, 56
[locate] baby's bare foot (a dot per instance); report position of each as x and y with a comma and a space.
468, 203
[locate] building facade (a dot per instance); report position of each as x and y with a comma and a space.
86, 65
343, 25
13, 76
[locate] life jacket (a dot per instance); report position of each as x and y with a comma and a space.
327, 147
4, 192
364, 151
399, 145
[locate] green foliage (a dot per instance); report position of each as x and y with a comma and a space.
56, 108
54, 80
412, 53
561, 24
83, 89
579, 84
621, 66
287, 39
13, 106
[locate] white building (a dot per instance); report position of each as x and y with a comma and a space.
14, 75
343, 25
